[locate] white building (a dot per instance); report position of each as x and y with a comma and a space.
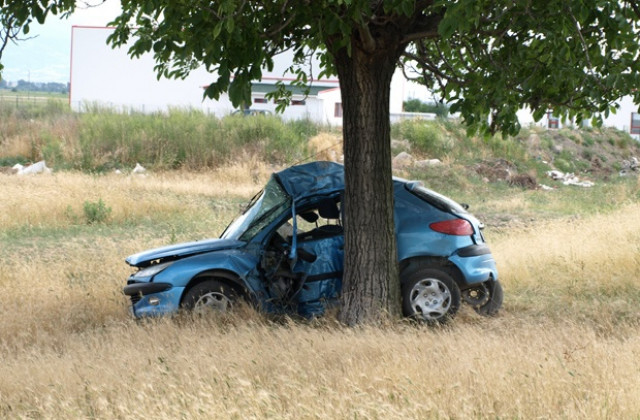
103, 76
626, 118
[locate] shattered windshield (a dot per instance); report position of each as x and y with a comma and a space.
264, 210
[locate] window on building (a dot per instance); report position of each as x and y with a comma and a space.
338, 110
300, 102
635, 123
552, 121
260, 100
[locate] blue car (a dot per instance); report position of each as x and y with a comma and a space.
285, 254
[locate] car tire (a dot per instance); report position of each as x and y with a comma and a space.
429, 295
210, 295
494, 302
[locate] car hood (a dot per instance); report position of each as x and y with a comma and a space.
177, 251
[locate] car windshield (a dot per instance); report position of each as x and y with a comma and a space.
260, 213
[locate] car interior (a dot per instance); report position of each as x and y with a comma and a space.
319, 249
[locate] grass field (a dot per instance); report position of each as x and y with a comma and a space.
566, 344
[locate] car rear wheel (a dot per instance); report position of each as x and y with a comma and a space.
429, 295
487, 299
210, 295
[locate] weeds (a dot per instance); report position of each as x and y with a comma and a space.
96, 212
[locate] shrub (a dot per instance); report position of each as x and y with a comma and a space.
563, 165
96, 212
424, 136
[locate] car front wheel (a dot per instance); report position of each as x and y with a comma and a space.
429, 295
210, 295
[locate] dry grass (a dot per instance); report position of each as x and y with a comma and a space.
57, 199
326, 146
566, 344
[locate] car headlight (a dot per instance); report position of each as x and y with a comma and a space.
152, 270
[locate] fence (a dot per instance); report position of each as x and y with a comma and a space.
28, 100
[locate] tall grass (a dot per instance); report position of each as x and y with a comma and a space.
564, 346
101, 139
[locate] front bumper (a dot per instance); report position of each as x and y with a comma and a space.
153, 299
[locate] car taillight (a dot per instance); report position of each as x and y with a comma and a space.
459, 227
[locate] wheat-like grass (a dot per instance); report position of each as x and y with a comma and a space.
203, 369
565, 345
57, 199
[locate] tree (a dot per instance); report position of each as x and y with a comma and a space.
416, 105
487, 58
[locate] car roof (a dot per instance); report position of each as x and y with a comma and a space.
315, 178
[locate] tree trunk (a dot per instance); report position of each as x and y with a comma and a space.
371, 289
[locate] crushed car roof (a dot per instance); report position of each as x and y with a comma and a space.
315, 178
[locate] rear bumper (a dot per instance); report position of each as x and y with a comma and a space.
476, 264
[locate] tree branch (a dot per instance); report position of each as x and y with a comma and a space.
368, 43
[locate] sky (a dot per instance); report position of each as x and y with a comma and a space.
46, 57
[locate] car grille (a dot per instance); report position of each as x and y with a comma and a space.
135, 298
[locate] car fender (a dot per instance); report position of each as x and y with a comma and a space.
466, 270
234, 262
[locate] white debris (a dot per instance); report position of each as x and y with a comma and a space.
402, 161
555, 175
139, 169
569, 179
546, 187
629, 165
17, 167
118, 172
421, 164
36, 168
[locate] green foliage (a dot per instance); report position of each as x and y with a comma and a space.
26, 109
416, 105
563, 165
537, 54
12, 160
52, 150
185, 139
425, 137
96, 212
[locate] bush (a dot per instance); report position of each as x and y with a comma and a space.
424, 136
416, 105
188, 139
96, 212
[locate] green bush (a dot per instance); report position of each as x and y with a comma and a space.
416, 105
96, 212
563, 165
187, 139
424, 136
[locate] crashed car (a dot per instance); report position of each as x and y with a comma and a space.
284, 254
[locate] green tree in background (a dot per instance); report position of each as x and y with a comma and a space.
416, 105
485, 58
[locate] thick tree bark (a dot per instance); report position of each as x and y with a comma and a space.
371, 289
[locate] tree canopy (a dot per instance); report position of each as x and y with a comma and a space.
485, 58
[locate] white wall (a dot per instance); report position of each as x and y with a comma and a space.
330, 98
110, 77
622, 118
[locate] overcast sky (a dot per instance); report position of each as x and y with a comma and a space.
46, 57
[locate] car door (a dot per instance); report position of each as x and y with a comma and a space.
322, 273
